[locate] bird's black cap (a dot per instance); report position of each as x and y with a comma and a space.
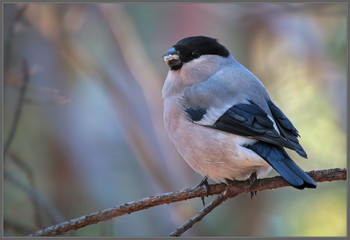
193, 47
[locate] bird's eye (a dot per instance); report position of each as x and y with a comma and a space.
195, 54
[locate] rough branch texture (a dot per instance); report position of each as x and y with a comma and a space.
199, 216
166, 198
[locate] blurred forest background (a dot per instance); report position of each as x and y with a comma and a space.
90, 133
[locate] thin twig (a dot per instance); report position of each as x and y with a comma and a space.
199, 216
9, 39
25, 168
19, 106
52, 212
166, 198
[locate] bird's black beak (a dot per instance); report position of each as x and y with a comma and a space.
172, 58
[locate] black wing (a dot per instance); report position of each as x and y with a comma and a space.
251, 121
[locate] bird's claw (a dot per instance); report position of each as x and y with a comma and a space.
204, 182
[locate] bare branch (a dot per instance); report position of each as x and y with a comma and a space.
19, 105
10, 32
166, 198
199, 216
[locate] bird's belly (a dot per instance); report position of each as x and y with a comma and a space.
215, 153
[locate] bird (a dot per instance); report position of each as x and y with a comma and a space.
221, 118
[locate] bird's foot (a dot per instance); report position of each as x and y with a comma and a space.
203, 182
252, 194
252, 180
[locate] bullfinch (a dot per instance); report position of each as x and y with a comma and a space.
221, 119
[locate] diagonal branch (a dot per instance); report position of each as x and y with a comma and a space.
199, 216
166, 198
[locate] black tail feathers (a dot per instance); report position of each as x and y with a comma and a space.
277, 157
